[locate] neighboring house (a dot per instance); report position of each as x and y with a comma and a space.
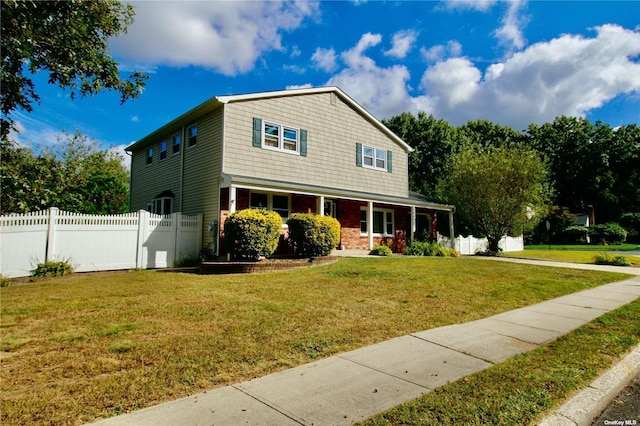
303, 150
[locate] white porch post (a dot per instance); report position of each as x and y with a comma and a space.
232, 199
320, 206
452, 234
413, 222
370, 224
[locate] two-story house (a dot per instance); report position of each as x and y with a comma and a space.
302, 150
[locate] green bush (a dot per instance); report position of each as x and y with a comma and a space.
609, 259
313, 235
575, 234
381, 251
52, 269
631, 223
252, 233
4, 281
426, 248
608, 233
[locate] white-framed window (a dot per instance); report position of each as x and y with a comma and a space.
160, 205
383, 221
280, 138
163, 150
149, 156
279, 203
374, 158
193, 136
177, 141
330, 208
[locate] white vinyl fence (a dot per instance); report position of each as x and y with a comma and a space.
97, 243
471, 244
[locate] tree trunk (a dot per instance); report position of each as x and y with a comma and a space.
493, 243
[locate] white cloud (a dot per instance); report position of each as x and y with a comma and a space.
325, 59
479, 5
453, 48
510, 34
224, 36
135, 119
402, 43
569, 75
382, 91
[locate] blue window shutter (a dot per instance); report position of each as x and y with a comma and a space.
358, 154
257, 132
303, 143
389, 158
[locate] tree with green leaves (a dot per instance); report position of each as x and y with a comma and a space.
433, 141
68, 40
76, 176
497, 191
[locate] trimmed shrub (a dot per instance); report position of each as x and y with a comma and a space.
426, 248
313, 235
608, 233
608, 259
381, 251
52, 269
252, 233
575, 234
631, 223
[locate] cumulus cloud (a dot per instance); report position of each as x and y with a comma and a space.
569, 75
382, 91
510, 33
402, 43
438, 52
227, 37
479, 5
325, 59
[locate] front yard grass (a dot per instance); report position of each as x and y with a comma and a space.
86, 346
577, 256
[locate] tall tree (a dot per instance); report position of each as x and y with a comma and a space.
68, 40
77, 176
433, 141
497, 191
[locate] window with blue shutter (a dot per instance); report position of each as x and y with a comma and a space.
373, 158
277, 137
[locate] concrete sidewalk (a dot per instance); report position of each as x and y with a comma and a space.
355, 385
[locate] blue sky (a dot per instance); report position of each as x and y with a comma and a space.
514, 63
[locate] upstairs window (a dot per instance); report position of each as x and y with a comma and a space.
163, 150
177, 140
282, 138
150, 156
193, 135
373, 158
277, 137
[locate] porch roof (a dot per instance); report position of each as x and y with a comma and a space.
414, 199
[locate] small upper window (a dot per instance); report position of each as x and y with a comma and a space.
149, 155
163, 150
193, 135
374, 158
177, 140
282, 138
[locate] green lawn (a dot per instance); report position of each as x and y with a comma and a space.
95, 345
577, 256
575, 247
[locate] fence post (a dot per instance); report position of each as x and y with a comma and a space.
172, 254
50, 254
143, 222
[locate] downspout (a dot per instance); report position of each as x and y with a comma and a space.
130, 178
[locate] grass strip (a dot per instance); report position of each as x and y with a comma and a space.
587, 247
521, 389
86, 346
587, 257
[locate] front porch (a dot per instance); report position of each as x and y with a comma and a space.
366, 220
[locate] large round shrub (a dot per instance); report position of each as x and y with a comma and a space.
575, 234
312, 234
252, 233
608, 233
